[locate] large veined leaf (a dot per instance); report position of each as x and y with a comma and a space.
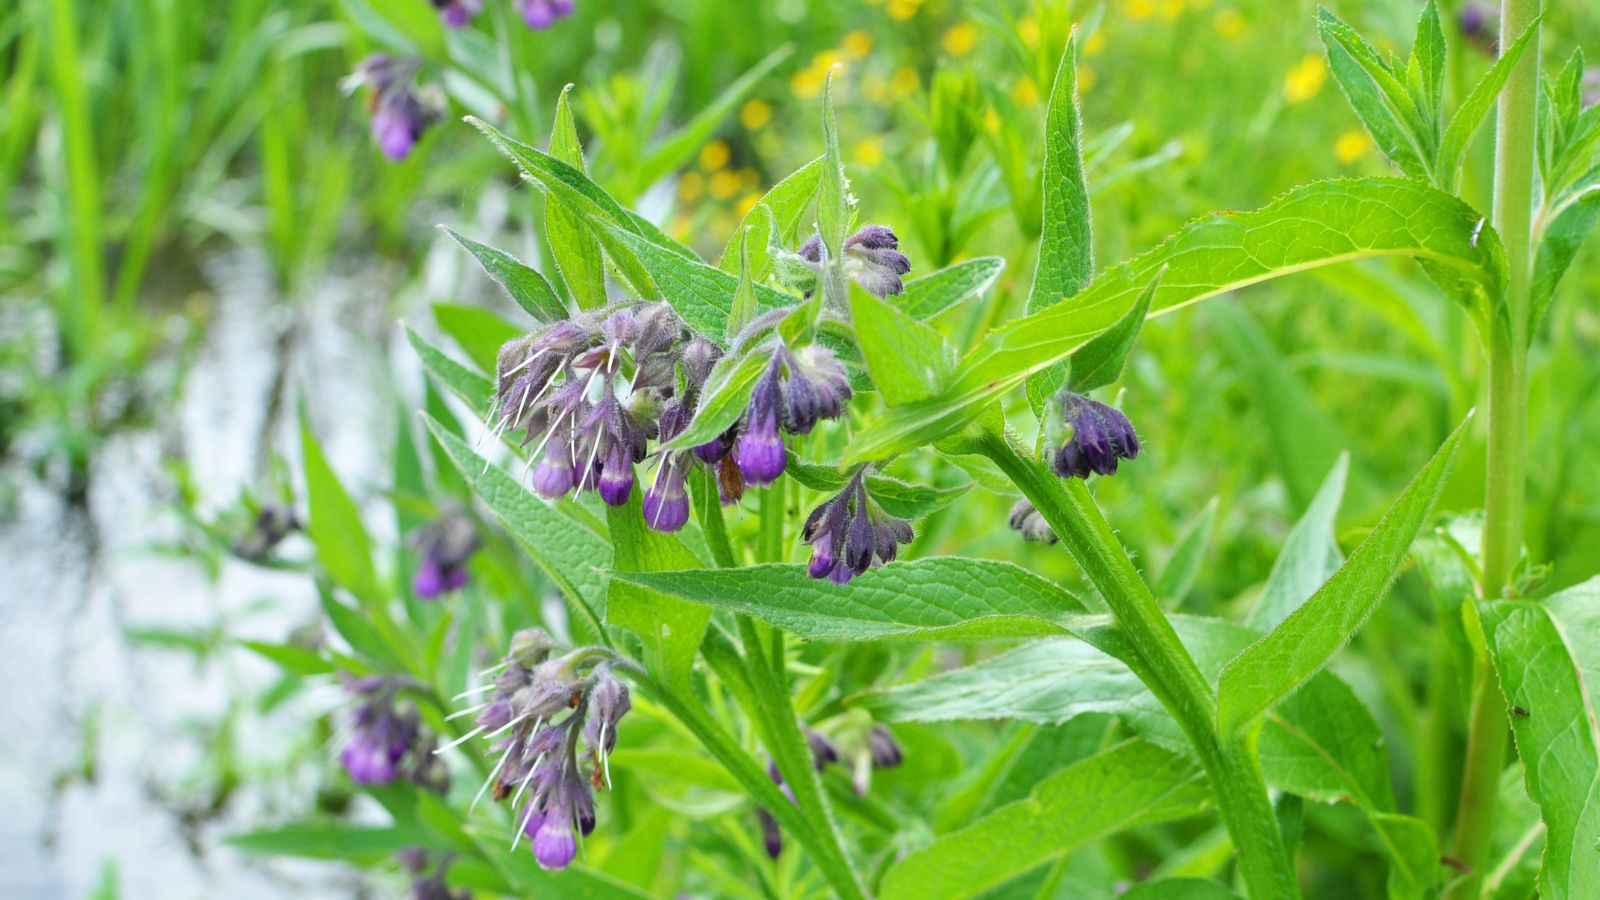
569, 552
932, 294
1547, 656
1294, 651
907, 359
1066, 244
1316, 225
945, 598
1134, 783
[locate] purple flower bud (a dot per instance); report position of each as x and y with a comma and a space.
771, 837
666, 504
554, 844
446, 545
699, 358
532, 820
370, 759
398, 120
848, 531
541, 14
760, 453
823, 750
616, 476
457, 13
1026, 519
608, 703
382, 734
874, 260
1101, 435
885, 750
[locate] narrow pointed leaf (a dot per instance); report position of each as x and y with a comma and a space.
1309, 557
343, 546
1100, 361
526, 286
576, 251
775, 219
1473, 110
833, 201
949, 287
462, 381
907, 359
1380, 101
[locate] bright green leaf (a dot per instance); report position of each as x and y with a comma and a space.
576, 251
526, 286
948, 287
463, 382
1100, 361
478, 332
670, 628
343, 548
1309, 557
906, 359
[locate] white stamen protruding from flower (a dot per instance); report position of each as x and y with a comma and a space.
493, 774
460, 740
506, 727
526, 818
464, 712
472, 691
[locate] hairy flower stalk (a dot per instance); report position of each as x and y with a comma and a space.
541, 708
849, 533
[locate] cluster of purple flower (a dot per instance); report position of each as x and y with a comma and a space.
536, 14
386, 740
1099, 436
445, 545
880, 751
400, 110
849, 530
871, 256
540, 707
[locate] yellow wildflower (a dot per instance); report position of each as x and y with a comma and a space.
901, 10
1095, 43
960, 39
904, 82
1141, 9
1305, 78
748, 202
869, 152
724, 184
690, 186
1171, 9
857, 44
755, 114
1024, 91
1230, 24
714, 155
1087, 77
1028, 31
1352, 145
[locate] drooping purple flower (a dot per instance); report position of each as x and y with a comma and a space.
771, 837
608, 703
541, 14
849, 532
457, 13
425, 885
872, 258
760, 453
822, 748
1100, 436
382, 733
818, 387
445, 545
1026, 519
273, 523
885, 750
666, 503
400, 112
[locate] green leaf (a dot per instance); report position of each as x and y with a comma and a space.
683, 143
898, 498
1473, 110
1100, 361
773, 220
360, 633
1066, 243
478, 332
1425, 71
463, 382
906, 359
1316, 225
1563, 238
724, 398
701, 294
526, 286
1131, 784
1415, 871
1547, 657
948, 287
1179, 889
1278, 663
744, 298
1309, 557
944, 598
343, 548
291, 657
1380, 101
318, 841
1178, 577
670, 628
570, 553
833, 199
575, 249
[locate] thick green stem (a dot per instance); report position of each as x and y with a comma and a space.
1508, 434
1163, 663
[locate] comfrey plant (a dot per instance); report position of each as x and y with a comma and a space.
700, 462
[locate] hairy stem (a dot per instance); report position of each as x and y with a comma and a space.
1508, 434
1162, 663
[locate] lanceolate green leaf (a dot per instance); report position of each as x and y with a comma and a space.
949, 287
944, 598
571, 554
478, 332
1316, 225
780, 209
1473, 110
343, 547
576, 251
1563, 237
1100, 361
701, 293
1309, 557
724, 398
833, 201
670, 628
906, 358
1547, 657
1382, 103
526, 286
1133, 783
1294, 651
462, 381
1066, 245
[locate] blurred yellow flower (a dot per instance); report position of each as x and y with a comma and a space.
808, 82
1352, 145
960, 39
714, 155
991, 121
1087, 77
1171, 9
1095, 43
1305, 78
905, 82
1230, 24
724, 184
690, 186
755, 115
875, 88
680, 225
1141, 9
868, 153
1028, 31
901, 10
826, 60
748, 202
857, 44
1024, 91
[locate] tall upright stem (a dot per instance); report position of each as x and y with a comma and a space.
1508, 434
1163, 664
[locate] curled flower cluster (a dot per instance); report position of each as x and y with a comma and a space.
536, 14
1099, 436
384, 733
541, 707
871, 256
879, 751
849, 531
1026, 519
401, 111
445, 545
793, 394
